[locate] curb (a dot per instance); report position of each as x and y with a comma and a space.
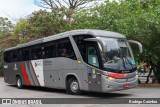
149, 85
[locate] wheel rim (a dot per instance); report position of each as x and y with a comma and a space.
74, 86
19, 82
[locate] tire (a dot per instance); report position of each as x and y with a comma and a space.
73, 87
19, 83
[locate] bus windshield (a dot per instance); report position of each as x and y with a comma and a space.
117, 54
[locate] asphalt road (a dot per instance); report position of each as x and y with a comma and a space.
10, 91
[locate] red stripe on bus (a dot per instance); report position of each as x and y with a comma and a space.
25, 75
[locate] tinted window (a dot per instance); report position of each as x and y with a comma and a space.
36, 53
49, 50
15, 56
7, 56
25, 54
65, 49
81, 44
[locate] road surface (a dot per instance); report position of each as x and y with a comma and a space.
10, 91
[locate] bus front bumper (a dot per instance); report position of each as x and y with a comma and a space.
119, 84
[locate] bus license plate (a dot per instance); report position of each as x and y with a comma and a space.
126, 86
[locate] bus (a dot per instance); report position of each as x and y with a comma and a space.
76, 60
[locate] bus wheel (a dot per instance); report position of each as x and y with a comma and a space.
73, 86
19, 83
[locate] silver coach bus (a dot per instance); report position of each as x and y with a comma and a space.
77, 60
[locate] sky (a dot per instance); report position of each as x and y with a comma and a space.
16, 9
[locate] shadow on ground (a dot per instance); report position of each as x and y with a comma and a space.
87, 94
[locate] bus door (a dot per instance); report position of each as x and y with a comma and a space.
94, 79
90, 55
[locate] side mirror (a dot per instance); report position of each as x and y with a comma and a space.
138, 43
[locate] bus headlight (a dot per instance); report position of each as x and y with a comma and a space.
107, 77
136, 74
111, 78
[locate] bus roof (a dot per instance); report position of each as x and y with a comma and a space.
94, 32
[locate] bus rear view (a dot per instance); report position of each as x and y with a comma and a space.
77, 60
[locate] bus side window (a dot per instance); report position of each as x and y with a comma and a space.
15, 56
82, 48
25, 55
36, 53
7, 57
48, 51
92, 56
65, 49
81, 44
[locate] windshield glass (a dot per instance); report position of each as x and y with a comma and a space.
117, 54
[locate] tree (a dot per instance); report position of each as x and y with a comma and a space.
66, 7
39, 24
45, 23
20, 29
69, 4
5, 26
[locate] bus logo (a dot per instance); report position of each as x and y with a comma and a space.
37, 64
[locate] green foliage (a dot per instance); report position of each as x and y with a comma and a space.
5, 26
39, 24
46, 23
21, 28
